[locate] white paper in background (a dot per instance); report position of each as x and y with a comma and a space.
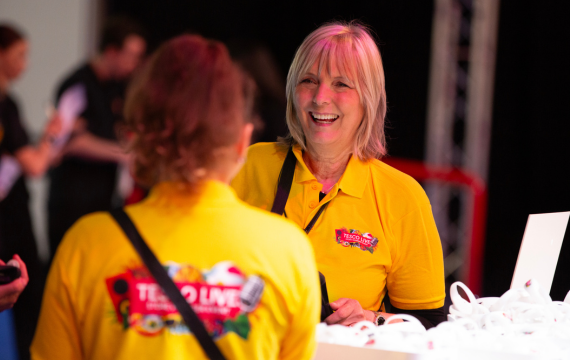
540, 249
10, 171
71, 104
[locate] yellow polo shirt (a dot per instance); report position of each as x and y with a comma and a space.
100, 302
377, 233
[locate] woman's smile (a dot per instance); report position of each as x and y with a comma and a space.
323, 119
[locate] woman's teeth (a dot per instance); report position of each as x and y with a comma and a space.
324, 118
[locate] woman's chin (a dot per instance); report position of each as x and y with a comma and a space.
323, 139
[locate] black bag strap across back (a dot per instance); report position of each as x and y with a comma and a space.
167, 285
283, 190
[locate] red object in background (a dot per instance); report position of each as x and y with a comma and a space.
478, 189
137, 195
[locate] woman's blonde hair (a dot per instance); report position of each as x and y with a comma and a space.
355, 51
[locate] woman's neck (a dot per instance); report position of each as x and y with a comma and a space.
327, 166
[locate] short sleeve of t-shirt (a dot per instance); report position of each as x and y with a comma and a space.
415, 280
14, 135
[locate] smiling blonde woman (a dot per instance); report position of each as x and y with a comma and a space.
370, 225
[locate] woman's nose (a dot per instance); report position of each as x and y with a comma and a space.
321, 95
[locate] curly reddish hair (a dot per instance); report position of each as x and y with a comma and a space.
188, 103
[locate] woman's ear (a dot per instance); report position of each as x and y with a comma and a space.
241, 152
244, 140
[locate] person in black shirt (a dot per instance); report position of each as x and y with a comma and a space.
85, 180
16, 236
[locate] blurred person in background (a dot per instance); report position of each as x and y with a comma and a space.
189, 112
270, 103
85, 181
20, 159
371, 226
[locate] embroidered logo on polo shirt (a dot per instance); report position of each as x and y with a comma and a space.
354, 238
223, 298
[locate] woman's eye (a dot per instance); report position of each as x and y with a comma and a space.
341, 84
307, 81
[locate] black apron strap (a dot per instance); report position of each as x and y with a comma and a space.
283, 190
284, 184
316, 217
167, 285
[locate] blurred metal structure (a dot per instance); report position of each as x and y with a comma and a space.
474, 187
458, 133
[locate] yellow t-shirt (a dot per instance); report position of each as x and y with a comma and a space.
100, 303
377, 233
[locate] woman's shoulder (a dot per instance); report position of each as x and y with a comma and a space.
92, 226
397, 183
90, 233
261, 169
268, 151
267, 224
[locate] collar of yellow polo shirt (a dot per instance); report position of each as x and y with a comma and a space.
376, 235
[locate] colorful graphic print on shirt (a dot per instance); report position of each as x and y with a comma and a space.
355, 239
222, 297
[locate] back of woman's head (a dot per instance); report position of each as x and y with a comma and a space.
185, 108
9, 36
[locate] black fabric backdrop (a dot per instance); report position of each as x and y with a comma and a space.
531, 128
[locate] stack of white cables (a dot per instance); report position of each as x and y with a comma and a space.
522, 322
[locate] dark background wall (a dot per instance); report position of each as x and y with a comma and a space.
530, 149
531, 120
404, 33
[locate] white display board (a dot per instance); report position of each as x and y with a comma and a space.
540, 249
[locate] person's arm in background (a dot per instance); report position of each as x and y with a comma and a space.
35, 160
89, 146
9, 292
83, 143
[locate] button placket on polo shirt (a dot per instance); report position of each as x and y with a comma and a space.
311, 194
315, 205
314, 194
